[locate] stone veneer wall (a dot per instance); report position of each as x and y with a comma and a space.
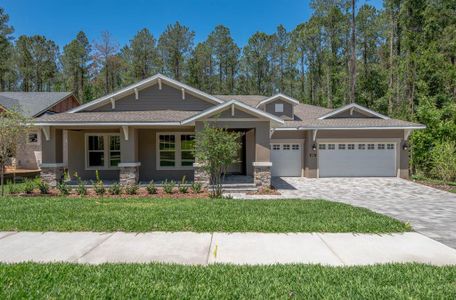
52, 175
262, 176
201, 175
129, 175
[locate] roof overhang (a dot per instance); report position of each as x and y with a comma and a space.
88, 124
351, 128
158, 78
353, 106
59, 101
236, 104
276, 97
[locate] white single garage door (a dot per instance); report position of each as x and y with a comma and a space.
357, 159
286, 159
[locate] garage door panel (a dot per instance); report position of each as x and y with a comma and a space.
286, 159
357, 163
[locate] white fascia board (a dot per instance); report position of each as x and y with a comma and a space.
363, 128
131, 89
281, 96
353, 105
235, 103
84, 124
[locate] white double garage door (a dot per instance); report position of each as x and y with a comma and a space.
363, 159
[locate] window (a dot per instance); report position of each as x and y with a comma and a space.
331, 147
390, 146
370, 147
381, 146
278, 107
341, 147
32, 138
351, 146
96, 155
175, 151
295, 147
361, 146
114, 150
286, 147
187, 150
322, 146
275, 147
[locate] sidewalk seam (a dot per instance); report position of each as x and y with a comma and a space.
330, 249
94, 247
10, 234
209, 250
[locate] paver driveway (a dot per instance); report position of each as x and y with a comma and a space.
430, 211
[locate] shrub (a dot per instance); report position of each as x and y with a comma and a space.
81, 189
13, 188
443, 158
131, 189
197, 187
29, 186
151, 188
43, 186
168, 186
115, 189
183, 187
98, 186
63, 188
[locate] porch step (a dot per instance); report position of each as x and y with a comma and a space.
239, 190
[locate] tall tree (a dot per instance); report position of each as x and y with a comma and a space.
353, 52
175, 45
6, 52
105, 50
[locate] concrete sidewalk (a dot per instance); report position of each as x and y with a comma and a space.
335, 249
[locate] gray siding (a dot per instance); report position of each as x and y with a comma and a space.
238, 114
151, 98
287, 109
356, 114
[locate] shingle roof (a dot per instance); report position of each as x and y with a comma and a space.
31, 103
349, 123
119, 116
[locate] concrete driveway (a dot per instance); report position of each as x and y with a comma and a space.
430, 211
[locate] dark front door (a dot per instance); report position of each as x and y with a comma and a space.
239, 167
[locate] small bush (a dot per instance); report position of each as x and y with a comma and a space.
81, 190
63, 188
43, 187
115, 189
443, 158
151, 188
183, 187
13, 188
132, 189
98, 186
197, 187
168, 186
29, 186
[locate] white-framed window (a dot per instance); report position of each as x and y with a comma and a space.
361, 146
278, 107
341, 146
286, 147
33, 138
331, 147
351, 146
322, 146
370, 146
275, 147
390, 146
175, 151
102, 151
381, 146
295, 147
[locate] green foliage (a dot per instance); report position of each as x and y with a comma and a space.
115, 189
81, 189
216, 150
443, 157
98, 185
151, 188
13, 188
29, 186
197, 187
131, 189
63, 188
168, 186
43, 187
183, 186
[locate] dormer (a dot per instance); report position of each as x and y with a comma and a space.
353, 111
279, 105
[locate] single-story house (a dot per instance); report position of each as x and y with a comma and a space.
146, 131
33, 105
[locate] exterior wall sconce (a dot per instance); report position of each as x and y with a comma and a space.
405, 146
314, 147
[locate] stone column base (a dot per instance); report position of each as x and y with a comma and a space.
129, 173
201, 175
52, 174
262, 174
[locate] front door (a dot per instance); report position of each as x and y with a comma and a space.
239, 167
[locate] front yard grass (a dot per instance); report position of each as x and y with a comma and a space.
157, 281
149, 214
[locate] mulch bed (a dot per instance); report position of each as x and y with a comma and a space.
439, 186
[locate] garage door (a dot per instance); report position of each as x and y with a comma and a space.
286, 159
357, 159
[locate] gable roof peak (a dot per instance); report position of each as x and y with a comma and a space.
353, 106
277, 96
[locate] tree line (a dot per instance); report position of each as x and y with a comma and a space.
399, 60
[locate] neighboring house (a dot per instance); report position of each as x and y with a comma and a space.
33, 105
146, 132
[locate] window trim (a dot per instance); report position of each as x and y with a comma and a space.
38, 142
106, 150
178, 158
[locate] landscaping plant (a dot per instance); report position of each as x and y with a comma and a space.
168, 186
13, 188
151, 188
115, 189
98, 185
29, 186
197, 187
43, 186
183, 187
63, 188
81, 189
131, 189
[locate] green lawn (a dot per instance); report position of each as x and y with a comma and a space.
155, 281
149, 214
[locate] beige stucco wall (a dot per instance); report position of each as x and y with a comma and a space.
28, 156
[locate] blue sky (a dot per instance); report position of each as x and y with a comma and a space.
60, 20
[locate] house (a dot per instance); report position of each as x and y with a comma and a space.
146, 131
33, 105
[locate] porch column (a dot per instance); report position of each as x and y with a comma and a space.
52, 156
262, 165
129, 164
200, 175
